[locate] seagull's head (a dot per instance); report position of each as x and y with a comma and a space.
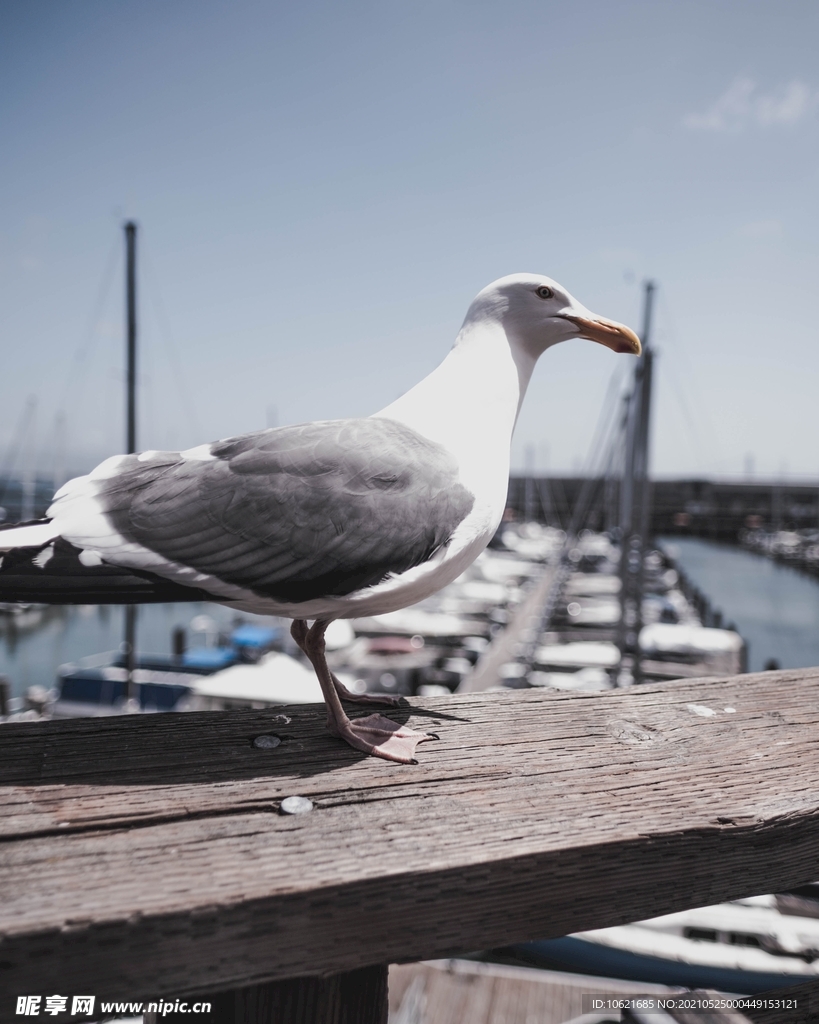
536, 313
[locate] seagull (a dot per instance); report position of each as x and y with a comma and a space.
324, 520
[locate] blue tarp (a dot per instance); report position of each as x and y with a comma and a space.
249, 635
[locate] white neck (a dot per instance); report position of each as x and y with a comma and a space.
470, 403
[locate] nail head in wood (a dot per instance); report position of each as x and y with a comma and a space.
267, 742
296, 805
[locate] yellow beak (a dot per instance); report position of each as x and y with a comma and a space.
617, 337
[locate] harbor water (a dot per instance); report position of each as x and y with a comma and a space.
774, 607
35, 642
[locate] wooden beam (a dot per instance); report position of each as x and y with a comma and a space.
147, 854
65, 580
777, 1007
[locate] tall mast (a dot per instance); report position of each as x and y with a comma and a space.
635, 503
131, 332
29, 473
130, 427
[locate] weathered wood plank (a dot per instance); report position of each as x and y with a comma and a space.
805, 995
146, 855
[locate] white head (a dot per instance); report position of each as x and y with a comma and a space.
536, 313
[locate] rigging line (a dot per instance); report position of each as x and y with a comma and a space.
606, 418
693, 433
603, 430
583, 503
612, 454
58, 450
598, 479
608, 411
146, 376
171, 351
16, 443
51, 453
89, 337
679, 353
557, 485
546, 501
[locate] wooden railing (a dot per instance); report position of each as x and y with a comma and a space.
147, 856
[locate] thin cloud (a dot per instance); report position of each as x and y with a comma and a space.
742, 106
762, 229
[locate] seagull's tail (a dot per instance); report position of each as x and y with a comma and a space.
35, 534
38, 566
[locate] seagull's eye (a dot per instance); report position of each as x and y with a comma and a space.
543, 292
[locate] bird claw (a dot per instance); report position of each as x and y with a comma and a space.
381, 737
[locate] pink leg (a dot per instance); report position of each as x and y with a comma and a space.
299, 633
373, 734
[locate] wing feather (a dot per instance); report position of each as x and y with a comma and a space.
297, 512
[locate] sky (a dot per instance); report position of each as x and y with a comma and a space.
322, 188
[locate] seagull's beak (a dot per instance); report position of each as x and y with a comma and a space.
617, 337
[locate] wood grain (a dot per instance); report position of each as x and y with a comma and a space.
146, 855
805, 994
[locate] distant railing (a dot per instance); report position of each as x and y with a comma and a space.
719, 509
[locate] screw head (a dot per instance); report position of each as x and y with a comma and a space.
296, 805
266, 742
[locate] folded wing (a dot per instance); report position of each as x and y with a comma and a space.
295, 513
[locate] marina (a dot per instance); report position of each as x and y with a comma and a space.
409, 513
576, 611
440, 646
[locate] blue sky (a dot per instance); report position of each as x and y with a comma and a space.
322, 188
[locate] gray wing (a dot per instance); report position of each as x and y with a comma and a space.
295, 513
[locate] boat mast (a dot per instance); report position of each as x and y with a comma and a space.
130, 427
29, 473
635, 504
131, 333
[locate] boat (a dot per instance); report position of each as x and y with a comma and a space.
98, 685
275, 678
746, 946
